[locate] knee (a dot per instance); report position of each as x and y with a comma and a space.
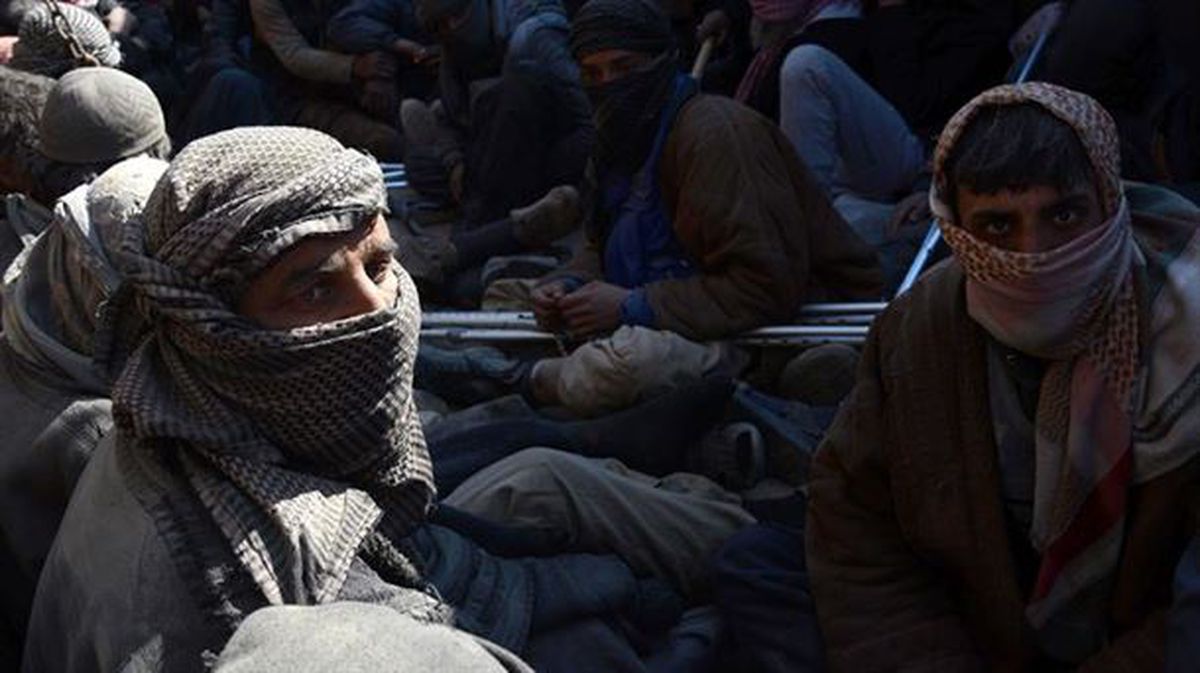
809, 64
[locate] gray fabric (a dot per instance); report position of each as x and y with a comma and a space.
246, 406
355, 637
42, 50
58, 305
100, 115
49, 433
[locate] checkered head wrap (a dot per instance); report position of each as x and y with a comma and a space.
297, 441
42, 49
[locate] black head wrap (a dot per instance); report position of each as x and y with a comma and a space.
632, 25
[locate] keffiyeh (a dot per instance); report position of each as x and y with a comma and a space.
42, 50
1108, 380
298, 442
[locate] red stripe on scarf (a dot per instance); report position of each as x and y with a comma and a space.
1101, 511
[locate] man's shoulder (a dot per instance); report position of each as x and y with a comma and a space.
109, 585
921, 322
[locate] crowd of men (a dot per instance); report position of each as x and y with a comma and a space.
227, 446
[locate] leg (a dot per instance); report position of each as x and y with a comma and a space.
588, 646
850, 136
352, 127
605, 508
762, 591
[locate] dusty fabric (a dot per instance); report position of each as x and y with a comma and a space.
96, 115
907, 539
633, 364
667, 527
43, 51
1076, 307
758, 257
356, 637
248, 406
62, 315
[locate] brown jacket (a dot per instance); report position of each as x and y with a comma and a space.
907, 548
749, 214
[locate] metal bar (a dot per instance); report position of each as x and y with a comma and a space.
801, 337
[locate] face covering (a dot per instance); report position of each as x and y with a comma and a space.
627, 112
1046, 304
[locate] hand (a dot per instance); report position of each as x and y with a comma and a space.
413, 52
912, 211
545, 304
374, 65
593, 308
715, 24
7, 43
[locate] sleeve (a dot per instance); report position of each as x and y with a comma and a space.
1138, 651
275, 28
370, 25
1183, 648
879, 607
752, 269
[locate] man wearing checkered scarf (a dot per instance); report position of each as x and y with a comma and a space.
268, 450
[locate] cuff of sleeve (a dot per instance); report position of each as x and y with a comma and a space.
636, 310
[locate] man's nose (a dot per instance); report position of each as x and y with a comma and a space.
367, 296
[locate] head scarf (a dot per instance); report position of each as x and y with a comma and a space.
792, 16
299, 441
630, 25
42, 50
1076, 307
63, 313
627, 110
100, 115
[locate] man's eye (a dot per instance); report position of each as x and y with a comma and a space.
996, 228
1065, 216
315, 293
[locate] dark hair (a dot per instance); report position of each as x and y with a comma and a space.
1015, 147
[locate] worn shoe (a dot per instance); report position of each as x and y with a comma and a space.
548, 219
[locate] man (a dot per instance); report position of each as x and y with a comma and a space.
58, 357
312, 85
88, 120
513, 122
1012, 481
704, 222
268, 449
43, 49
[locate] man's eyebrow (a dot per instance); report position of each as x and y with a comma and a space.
991, 214
375, 247
1075, 199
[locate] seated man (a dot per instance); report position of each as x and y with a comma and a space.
514, 121
1013, 479
88, 120
57, 362
704, 222
268, 450
43, 49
